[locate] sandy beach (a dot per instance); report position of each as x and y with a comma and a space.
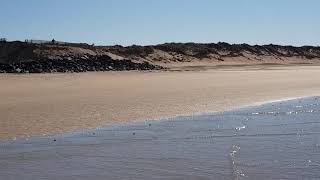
42, 104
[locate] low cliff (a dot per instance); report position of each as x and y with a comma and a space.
28, 57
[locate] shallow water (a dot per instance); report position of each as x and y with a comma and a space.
279, 140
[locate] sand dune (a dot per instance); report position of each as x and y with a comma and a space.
40, 104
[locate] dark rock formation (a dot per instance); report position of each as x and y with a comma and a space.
97, 63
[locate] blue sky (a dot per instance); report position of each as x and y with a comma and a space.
143, 22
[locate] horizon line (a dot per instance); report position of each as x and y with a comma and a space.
155, 44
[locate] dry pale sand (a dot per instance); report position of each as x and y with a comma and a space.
37, 104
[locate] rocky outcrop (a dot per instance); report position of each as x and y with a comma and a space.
21, 57
97, 63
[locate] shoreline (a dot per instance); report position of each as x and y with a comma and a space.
173, 148
159, 120
59, 103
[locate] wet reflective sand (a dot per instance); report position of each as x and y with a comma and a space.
279, 140
37, 104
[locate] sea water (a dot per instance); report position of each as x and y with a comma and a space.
279, 140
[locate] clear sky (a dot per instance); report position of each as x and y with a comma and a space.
143, 22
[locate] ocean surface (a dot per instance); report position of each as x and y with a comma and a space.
279, 140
